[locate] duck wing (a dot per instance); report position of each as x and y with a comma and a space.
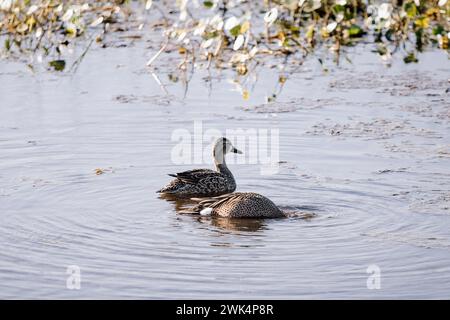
215, 202
197, 175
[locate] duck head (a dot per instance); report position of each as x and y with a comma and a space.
222, 146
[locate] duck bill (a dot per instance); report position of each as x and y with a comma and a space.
234, 150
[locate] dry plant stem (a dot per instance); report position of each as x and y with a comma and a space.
149, 63
158, 81
77, 62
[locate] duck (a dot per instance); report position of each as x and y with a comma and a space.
205, 182
238, 205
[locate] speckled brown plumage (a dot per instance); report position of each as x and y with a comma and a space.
239, 205
205, 182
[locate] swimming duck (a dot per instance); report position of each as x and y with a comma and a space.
205, 182
238, 205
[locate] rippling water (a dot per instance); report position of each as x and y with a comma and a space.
364, 150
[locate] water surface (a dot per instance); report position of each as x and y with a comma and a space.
364, 148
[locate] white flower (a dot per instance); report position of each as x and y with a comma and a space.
384, 11
183, 4
200, 29
67, 15
254, 51
148, 4
271, 16
71, 28
207, 43
341, 2
32, 9
183, 15
331, 26
311, 5
217, 22
6, 4
239, 57
442, 3
238, 42
231, 23
39, 32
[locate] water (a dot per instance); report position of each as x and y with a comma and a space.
365, 149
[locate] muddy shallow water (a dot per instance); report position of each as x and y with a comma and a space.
364, 153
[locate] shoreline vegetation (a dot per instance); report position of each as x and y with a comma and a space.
224, 34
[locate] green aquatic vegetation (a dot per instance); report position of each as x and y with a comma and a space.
45, 28
410, 57
231, 33
58, 65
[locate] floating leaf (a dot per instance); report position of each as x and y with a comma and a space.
71, 30
58, 65
411, 9
235, 31
337, 9
422, 22
410, 58
355, 31
7, 44
208, 4
310, 5
438, 30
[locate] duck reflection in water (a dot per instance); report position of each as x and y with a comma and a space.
190, 207
184, 207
